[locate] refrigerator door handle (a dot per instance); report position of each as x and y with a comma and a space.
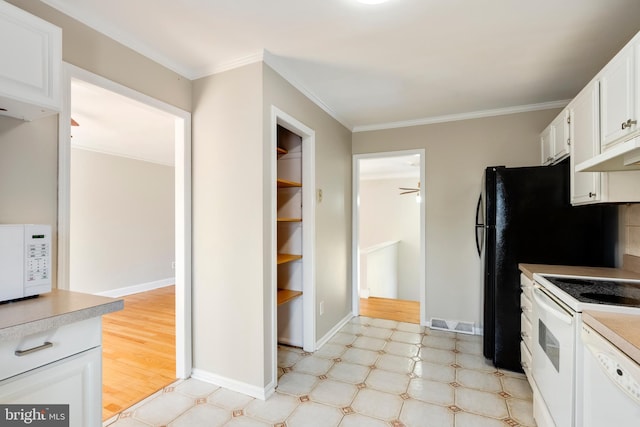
479, 226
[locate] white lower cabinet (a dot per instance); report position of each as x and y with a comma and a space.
57, 366
75, 380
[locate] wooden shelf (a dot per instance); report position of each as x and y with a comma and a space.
285, 258
286, 295
283, 183
281, 151
289, 219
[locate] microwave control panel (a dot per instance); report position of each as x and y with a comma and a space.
38, 255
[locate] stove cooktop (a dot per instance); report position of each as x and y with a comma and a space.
599, 291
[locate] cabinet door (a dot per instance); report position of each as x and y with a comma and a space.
546, 146
561, 137
585, 186
75, 381
617, 98
31, 52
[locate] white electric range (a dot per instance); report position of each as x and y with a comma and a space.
557, 351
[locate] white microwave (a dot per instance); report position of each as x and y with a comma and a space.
25, 260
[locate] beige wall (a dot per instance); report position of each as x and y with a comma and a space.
456, 155
232, 244
122, 229
333, 214
28, 174
632, 230
228, 213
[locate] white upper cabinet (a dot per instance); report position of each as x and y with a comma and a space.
555, 140
618, 98
586, 187
546, 146
30, 69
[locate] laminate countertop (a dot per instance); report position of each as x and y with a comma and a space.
571, 270
622, 330
51, 310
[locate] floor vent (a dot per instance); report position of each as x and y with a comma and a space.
452, 326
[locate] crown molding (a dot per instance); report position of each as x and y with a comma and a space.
463, 116
229, 65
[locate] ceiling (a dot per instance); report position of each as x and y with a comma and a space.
114, 124
374, 66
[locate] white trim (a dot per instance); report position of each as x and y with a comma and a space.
182, 201
234, 385
279, 117
116, 154
322, 341
229, 65
464, 116
355, 232
279, 67
136, 289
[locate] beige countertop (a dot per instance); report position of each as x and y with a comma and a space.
571, 270
622, 330
51, 310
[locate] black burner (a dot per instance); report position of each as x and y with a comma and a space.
612, 299
599, 291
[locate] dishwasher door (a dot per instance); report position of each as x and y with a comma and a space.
611, 388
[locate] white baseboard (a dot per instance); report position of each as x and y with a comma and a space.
134, 289
234, 385
322, 341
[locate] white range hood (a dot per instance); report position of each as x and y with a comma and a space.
624, 156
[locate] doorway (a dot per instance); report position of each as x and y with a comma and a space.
303, 157
388, 235
182, 201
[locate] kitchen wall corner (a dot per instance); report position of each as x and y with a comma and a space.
632, 230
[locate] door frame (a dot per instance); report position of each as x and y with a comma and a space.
182, 200
279, 117
355, 233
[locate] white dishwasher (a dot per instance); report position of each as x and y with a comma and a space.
611, 384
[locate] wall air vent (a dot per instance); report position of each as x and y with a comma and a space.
452, 326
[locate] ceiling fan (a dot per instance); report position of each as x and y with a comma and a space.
409, 190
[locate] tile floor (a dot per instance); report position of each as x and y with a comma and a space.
372, 373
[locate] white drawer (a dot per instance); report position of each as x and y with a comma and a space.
526, 306
526, 285
526, 331
32, 351
525, 360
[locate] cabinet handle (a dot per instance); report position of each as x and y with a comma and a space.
21, 353
592, 194
629, 123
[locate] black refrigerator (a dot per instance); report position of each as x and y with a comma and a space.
524, 215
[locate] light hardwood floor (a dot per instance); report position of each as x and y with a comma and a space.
138, 349
392, 309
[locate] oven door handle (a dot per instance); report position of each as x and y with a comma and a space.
551, 308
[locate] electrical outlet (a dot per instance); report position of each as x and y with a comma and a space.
321, 308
